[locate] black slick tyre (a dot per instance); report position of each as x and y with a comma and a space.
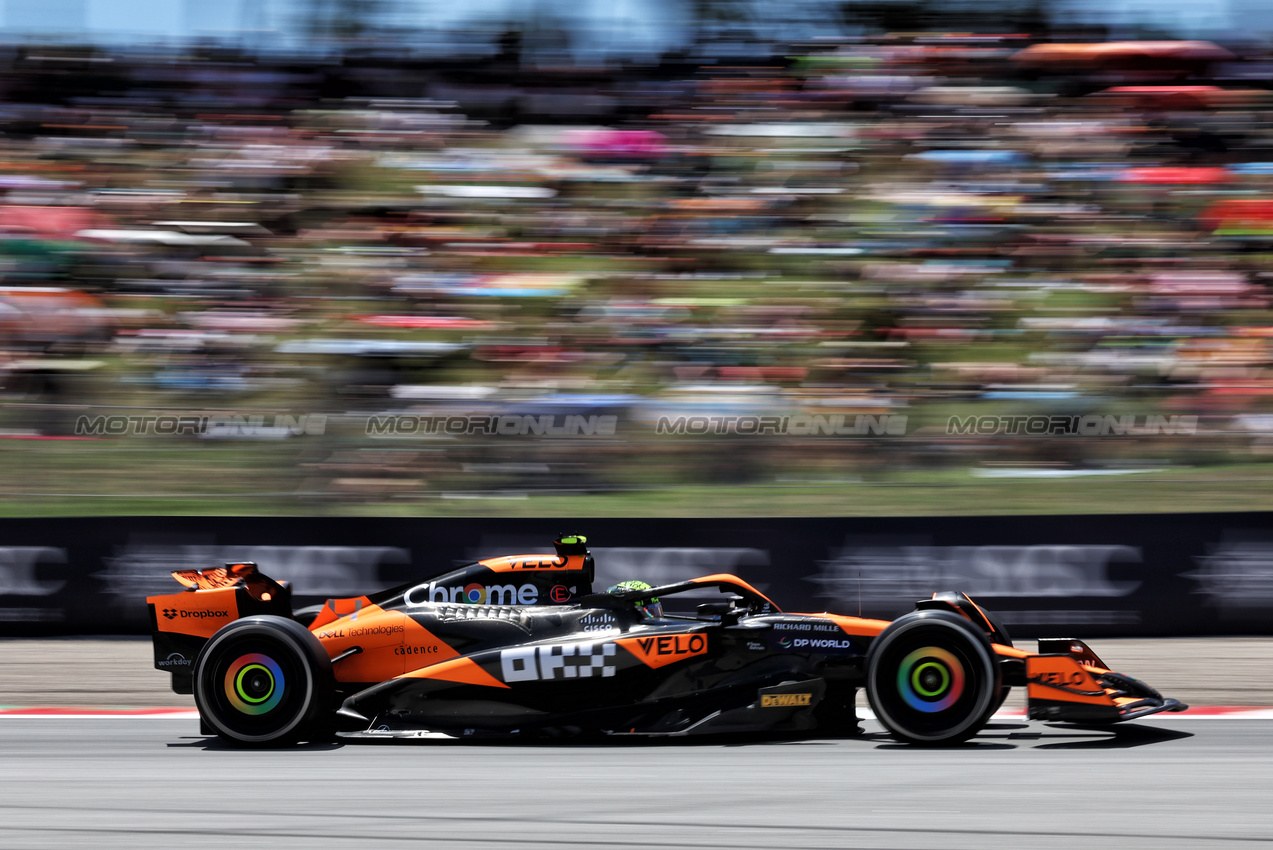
932, 678
264, 681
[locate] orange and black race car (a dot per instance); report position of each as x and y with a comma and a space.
521, 646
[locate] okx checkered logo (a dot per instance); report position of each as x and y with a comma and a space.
542, 663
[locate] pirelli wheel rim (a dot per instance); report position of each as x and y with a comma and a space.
256, 685
932, 679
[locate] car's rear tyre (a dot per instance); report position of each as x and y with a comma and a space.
264, 681
932, 678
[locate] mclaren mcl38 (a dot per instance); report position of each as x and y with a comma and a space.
521, 647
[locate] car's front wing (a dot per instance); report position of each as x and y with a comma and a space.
1066, 681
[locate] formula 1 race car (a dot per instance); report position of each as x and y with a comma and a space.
521, 646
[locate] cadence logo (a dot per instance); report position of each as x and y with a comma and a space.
473, 594
665, 649
542, 663
416, 650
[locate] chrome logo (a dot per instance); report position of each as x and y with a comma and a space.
930, 679
254, 683
473, 594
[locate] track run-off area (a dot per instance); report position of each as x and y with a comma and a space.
96, 751
131, 781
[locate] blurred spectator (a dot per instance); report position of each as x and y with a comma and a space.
928, 227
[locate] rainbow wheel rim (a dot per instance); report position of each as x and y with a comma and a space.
931, 679
254, 684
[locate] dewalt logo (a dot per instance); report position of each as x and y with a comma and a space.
784, 700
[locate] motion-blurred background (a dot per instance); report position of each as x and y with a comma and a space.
652, 257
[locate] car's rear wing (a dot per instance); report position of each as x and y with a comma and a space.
180, 623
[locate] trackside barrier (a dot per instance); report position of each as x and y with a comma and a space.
1074, 576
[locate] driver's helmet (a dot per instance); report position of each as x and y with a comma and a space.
651, 608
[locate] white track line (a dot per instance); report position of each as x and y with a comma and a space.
1200, 713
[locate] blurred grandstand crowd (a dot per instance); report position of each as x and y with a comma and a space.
928, 226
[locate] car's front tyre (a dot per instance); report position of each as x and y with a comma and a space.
932, 678
263, 681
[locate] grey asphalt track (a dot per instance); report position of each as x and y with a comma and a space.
1167, 784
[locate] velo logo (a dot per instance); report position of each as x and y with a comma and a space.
665, 649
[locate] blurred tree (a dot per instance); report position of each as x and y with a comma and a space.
342, 19
712, 18
987, 16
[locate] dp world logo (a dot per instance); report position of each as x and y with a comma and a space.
170, 613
